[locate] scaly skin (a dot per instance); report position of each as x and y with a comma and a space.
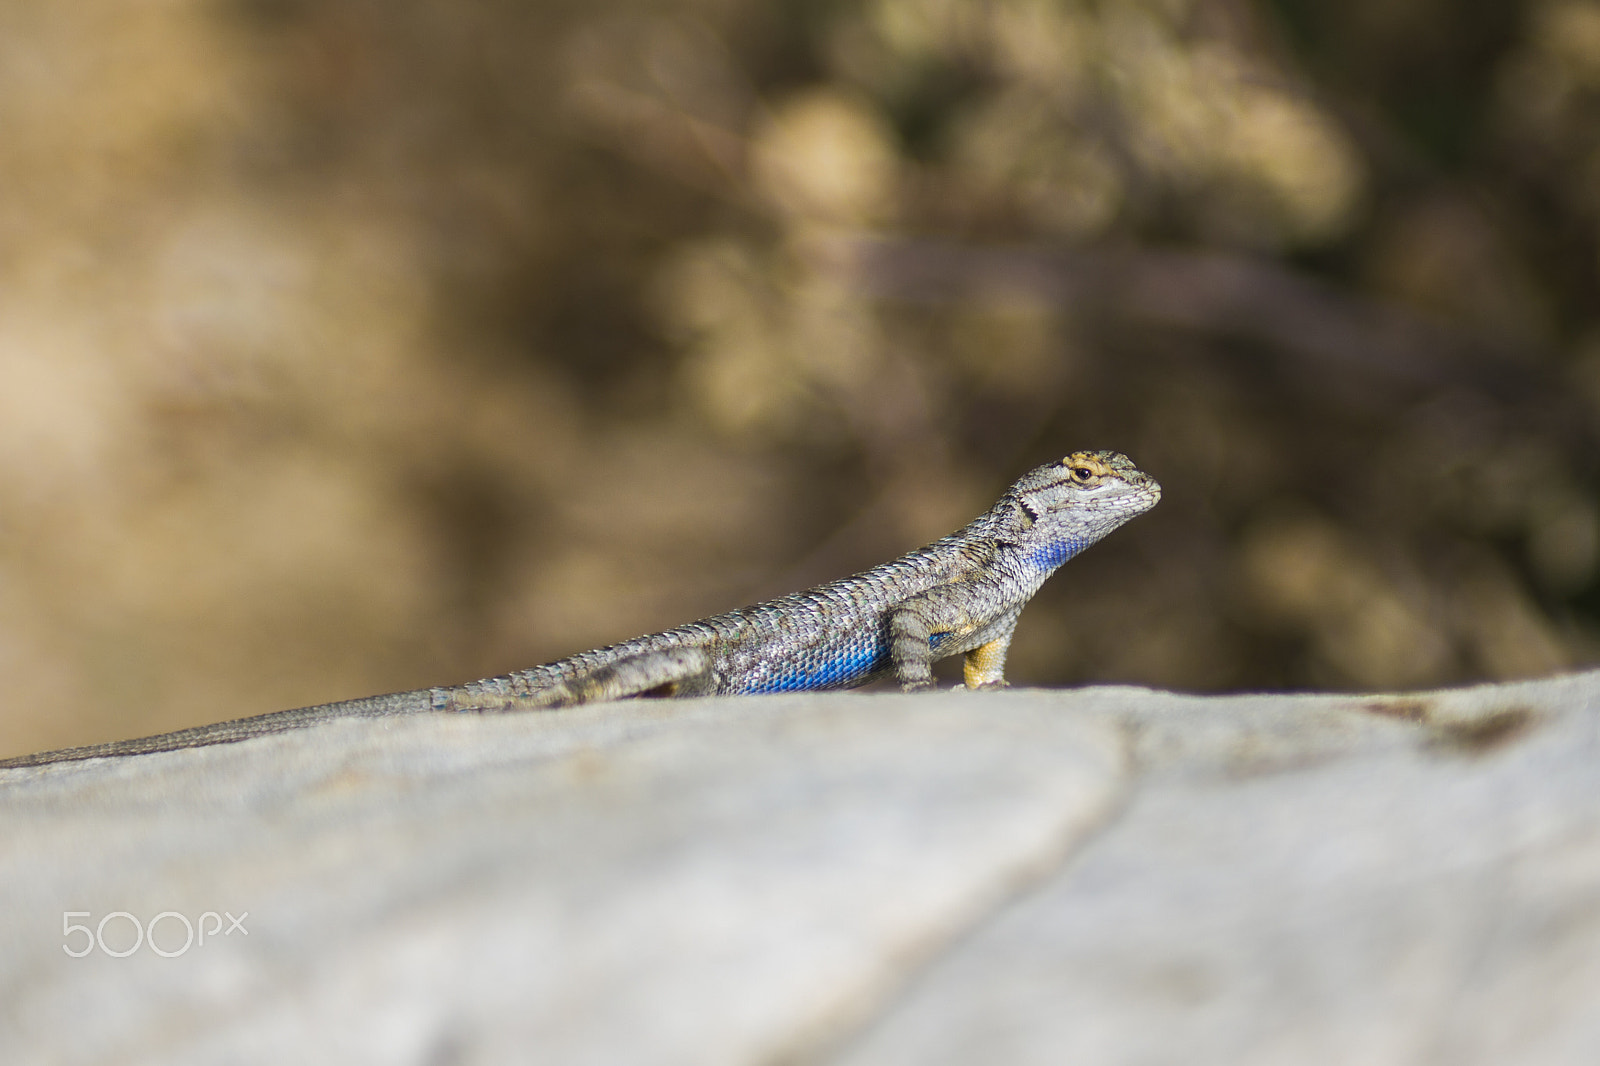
960, 595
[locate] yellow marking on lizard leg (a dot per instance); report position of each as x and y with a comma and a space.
986, 664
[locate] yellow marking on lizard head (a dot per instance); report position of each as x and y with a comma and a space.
1090, 460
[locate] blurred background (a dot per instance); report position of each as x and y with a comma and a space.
351, 346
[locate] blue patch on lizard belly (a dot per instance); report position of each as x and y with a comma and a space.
825, 670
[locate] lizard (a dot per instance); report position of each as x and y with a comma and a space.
960, 595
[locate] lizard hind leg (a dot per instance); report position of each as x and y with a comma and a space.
664, 672
667, 672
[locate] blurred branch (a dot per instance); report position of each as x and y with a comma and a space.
1332, 338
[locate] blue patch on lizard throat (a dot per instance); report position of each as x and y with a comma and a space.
1053, 555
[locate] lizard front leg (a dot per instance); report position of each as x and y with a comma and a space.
985, 665
911, 646
914, 625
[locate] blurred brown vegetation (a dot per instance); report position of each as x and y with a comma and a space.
353, 346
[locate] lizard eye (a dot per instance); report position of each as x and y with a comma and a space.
1082, 475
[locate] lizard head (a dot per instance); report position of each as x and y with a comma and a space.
1058, 509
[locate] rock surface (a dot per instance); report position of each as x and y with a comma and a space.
1099, 876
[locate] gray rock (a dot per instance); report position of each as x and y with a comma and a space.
1101, 876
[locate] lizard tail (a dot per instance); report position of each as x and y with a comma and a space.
241, 729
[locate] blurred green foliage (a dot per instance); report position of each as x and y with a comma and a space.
353, 346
